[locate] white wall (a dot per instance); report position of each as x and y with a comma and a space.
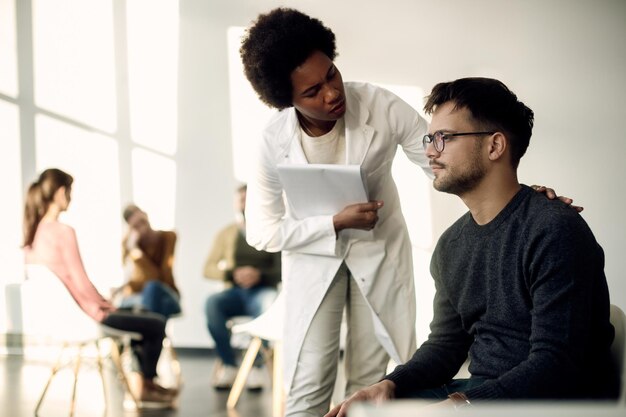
565, 59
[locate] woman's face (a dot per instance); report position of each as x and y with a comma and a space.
318, 92
62, 197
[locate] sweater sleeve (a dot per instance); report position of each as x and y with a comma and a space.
167, 262
438, 359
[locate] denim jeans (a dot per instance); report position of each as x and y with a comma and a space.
235, 301
155, 297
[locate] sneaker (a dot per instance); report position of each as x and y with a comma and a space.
255, 379
225, 377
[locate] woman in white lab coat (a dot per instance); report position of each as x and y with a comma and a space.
288, 58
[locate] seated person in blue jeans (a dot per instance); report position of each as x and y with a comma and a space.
519, 279
251, 277
148, 257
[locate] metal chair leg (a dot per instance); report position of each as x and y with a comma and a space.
55, 369
101, 372
76, 369
174, 362
117, 361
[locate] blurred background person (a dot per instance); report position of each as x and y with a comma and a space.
148, 257
53, 244
251, 277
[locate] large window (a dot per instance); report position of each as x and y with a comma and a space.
101, 105
74, 65
10, 158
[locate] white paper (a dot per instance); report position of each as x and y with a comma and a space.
321, 189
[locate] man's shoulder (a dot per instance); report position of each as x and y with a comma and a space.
541, 212
228, 231
457, 227
169, 235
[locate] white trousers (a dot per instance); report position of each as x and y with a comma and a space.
316, 370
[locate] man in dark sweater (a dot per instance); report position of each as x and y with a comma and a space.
520, 285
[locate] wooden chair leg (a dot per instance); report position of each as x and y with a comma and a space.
278, 396
244, 370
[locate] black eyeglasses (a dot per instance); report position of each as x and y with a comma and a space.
439, 139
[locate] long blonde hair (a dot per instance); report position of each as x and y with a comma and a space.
38, 198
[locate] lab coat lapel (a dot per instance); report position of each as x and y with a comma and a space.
294, 154
358, 133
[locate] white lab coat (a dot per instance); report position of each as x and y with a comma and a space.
376, 123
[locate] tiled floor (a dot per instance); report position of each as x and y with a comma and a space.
22, 379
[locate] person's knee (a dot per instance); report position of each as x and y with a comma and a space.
214, 308
151, 289
262, 301
210, 306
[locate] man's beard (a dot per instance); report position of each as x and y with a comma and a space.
459, 183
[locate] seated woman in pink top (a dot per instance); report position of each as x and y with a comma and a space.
51, 243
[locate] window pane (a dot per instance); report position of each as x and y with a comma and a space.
8, 51
248, 115
74, 60
92, 160
11, 207
154, 185
152, 27
10, 211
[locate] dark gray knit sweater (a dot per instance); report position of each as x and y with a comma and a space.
526, 297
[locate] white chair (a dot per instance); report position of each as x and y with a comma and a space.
269, 327
618, 349
49, 312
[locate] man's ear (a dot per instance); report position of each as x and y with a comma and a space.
497, 146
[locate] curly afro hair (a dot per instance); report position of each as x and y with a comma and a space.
276, 44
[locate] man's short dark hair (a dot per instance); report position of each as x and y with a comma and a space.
276, 44
491, 104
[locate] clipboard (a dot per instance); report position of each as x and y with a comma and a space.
321, 189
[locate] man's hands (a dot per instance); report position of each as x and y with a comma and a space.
551, 194
362, 216
132, 241
246, 276
377, 393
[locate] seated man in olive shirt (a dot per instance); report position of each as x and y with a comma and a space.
251, 277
